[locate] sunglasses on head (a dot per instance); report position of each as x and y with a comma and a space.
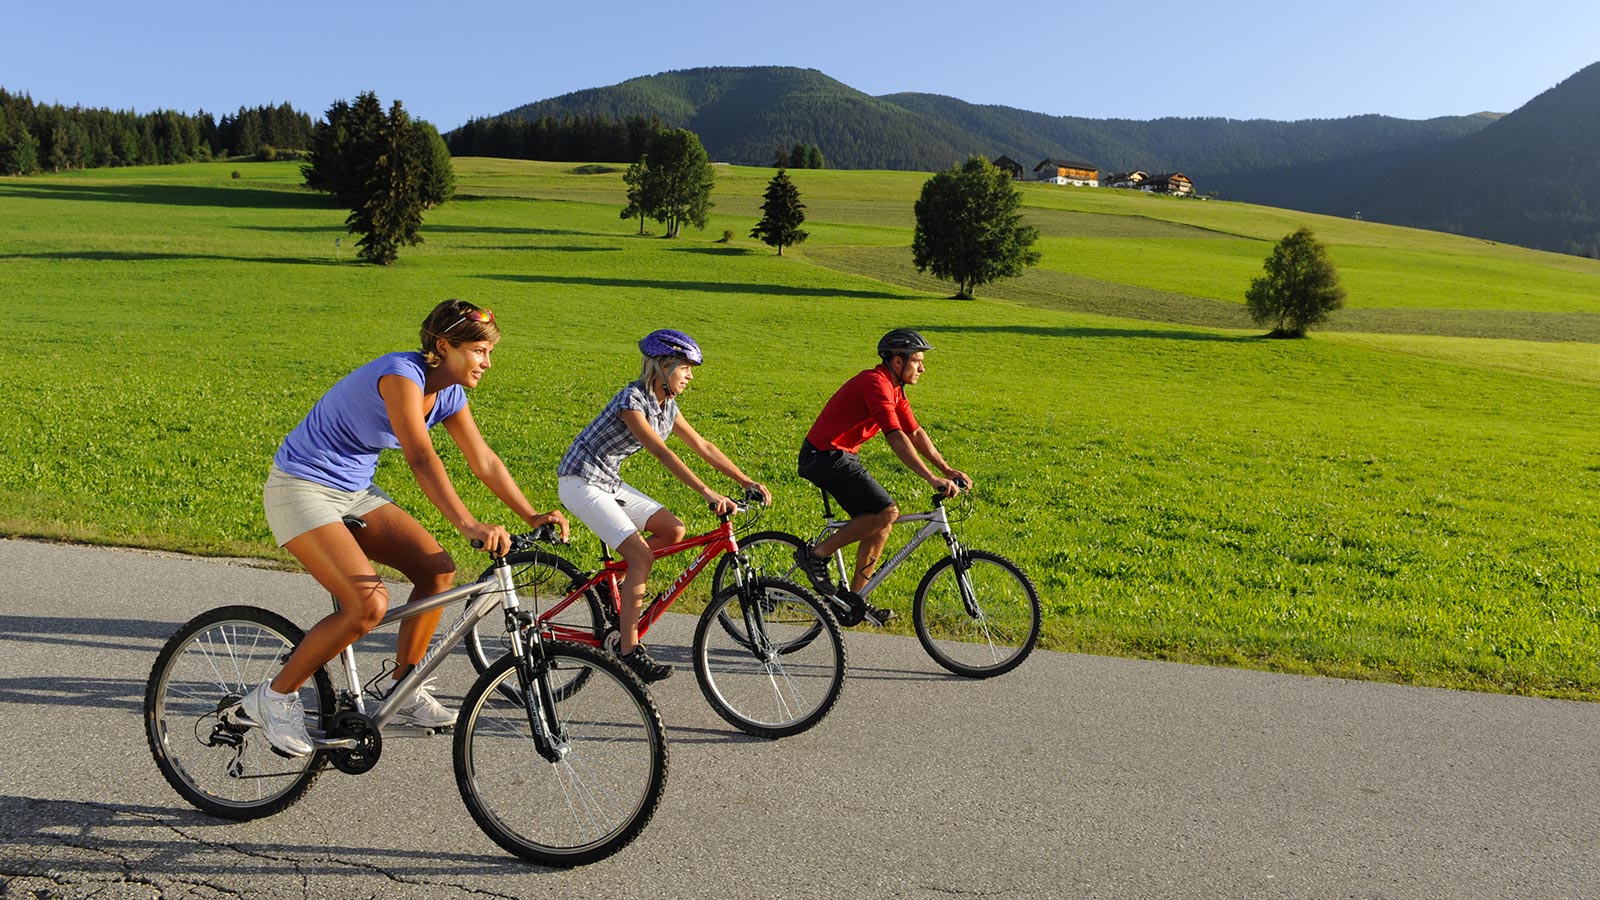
477, 315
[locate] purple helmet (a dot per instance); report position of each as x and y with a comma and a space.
671, 342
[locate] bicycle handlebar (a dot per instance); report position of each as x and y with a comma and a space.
544, 534
752, 497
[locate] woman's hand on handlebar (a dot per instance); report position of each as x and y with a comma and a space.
555, 518
491, 538
756, 490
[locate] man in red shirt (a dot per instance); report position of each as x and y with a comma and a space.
872, 401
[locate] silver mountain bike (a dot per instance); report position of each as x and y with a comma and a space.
975, 612
554, 774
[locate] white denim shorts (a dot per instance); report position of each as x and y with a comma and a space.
612, 515
296, 506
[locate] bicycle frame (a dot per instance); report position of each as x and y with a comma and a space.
482, 596
712, 544
937, 522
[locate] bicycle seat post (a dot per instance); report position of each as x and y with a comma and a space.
827, 508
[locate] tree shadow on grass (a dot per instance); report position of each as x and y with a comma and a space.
708, 287
1094, 332
134, 256
495, 229
713, 251
535, 248
171, 195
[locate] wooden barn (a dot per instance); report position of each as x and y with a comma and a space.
1067, 171
1175, 183
1009, 166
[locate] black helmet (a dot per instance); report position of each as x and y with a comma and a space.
902, 340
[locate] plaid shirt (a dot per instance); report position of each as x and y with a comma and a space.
597, 453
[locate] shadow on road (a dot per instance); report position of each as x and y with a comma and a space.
110, 839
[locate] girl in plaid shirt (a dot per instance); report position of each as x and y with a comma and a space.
641, 416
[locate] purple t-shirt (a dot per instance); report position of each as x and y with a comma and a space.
337, 443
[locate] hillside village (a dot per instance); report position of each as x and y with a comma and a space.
1082, 174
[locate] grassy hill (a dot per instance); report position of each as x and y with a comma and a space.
1409, 496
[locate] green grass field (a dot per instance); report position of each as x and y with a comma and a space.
1410, 495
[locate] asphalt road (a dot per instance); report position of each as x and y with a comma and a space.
1074, 776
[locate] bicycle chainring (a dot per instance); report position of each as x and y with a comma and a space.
359, 759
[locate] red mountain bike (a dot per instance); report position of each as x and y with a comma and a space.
768, 655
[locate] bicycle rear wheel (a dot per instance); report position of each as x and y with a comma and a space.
205, 669
771, 554
602, 791
781, 669
543, 579
979, 617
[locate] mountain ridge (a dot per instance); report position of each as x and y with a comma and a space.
1422, 172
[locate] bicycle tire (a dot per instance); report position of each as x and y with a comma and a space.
1002, 633
543, 579
203, 670
610, 779
771, 554
753, 684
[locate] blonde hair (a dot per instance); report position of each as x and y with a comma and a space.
655, 369
448, 321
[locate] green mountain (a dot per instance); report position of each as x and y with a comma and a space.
744, 114
1531, 178
1527, 178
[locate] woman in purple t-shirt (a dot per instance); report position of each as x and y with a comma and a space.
323, 472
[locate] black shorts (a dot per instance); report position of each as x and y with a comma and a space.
845, 479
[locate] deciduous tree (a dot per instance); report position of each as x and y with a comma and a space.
1299, 289
675, 183
969, 229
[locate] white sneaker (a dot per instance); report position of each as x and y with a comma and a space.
282, 721
425, 711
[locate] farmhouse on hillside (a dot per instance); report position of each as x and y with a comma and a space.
1126, 179
1068, 171
1009, 166
1168, 183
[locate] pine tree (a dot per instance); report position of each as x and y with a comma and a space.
438, 173
781, 214
389, 171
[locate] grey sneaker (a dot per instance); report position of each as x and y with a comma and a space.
283, 722
424, 710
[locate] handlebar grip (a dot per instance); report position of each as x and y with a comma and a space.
961, 483
477, 544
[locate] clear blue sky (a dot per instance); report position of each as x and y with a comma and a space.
450, 62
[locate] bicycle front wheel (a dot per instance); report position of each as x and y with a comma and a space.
205, 669
604, 787
780, 669
543, 579
978, 616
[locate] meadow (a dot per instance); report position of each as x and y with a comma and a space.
1409, 495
